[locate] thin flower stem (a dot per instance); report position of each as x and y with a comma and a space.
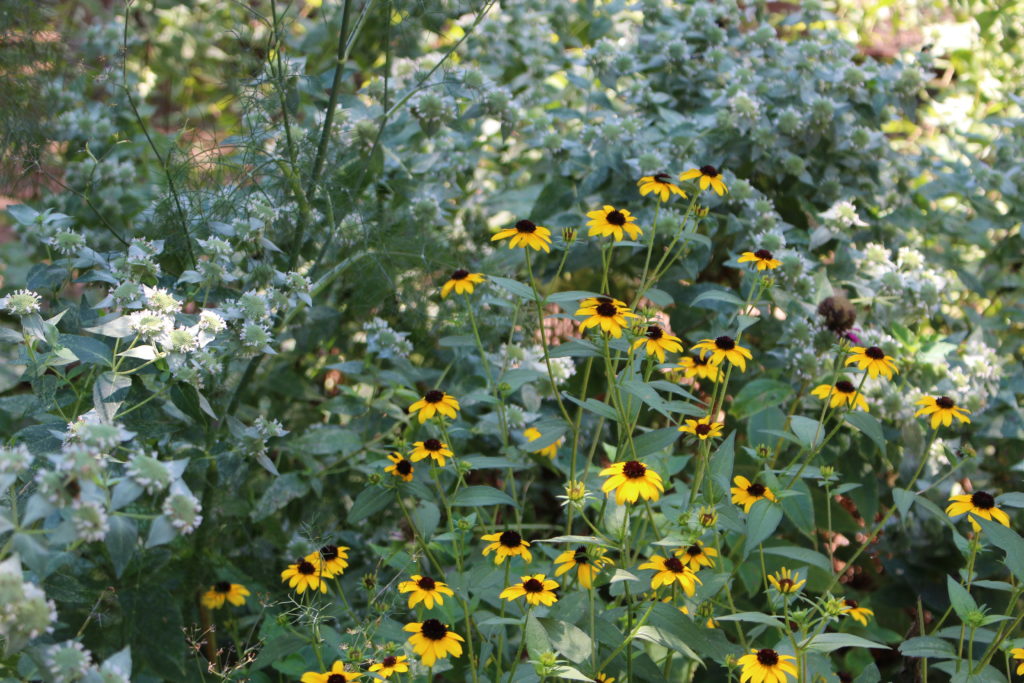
500, 652
537, 299
629, 636
576, 438
593, 631
650, 246
522, 646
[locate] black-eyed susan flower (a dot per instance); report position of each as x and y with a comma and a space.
1018, 654
703, 428
762, 259
424, 589
613, 222
661, 185
786, 582
604, 312
304, 574
507, 544
725, 348
746, 494
390, 665
434, 402
331, 559
337, 674
400, 467
977, 504
842, 392
587, 563
526, 234
859, 614
657, 341
222, 591
631, 480
704, 368
671, 570
942, 409
872, 359
432, 641
549, 451
709, 177
605, 678
697, 555
462, 281
537, 589
766, 666
431, 448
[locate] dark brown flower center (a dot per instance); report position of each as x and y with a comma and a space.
838, 312
434, 396
725, 343
654, 332
702, 429
763, 254
580, 556
767, 657
526, 226
426, 583
329, 552
433, 629
403, 467
709, 171
695, 551
73, 488
533, 586
306, 568
605, 300
701, 361
432, 445
945, 402
634, 470
674, 565
852, 604
510, 539
874, 353
756, 490
661, 177
389, 662
607, 310
615, 218
785, 585
337, 678
983, 500
460, 274
222, 587
844, 387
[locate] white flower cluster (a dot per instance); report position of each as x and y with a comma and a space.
384, 342
25, 613
515, 356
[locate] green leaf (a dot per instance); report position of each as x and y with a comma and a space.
282, 490
754, 618
960, 598
868, 425
161, 531
759, 394
90, 351
568, 639
807, 430
904, 499
1014, 499
120, 542
594, 406
513, 286
927, 646
802, 555
537, 641
722, 462
1007, 540
426, 517
668, 641
829, 642
472, 496
717, 295
762, 520
655, 441
370, 501
108, 393
575, 348
799, 508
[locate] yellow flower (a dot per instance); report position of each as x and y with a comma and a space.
401, 468
234, 593
507, 544
610, 314
331, 559
304, 574
842, 392
672, 570
978, 503
657, 341
709, 176
526, 234
550, 451
746, 494
786, 582
631, 480
704, 368
432, 641
337, 674
724, 348
614, 222
424, 589
659, 184
762, 259
942, 409
697, 555
859, 614
605, 678
872, 359
1018, 653
435, 402
588, 564
462, 282
432, 448
537, 589
766, 666
703, 428
390, 665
